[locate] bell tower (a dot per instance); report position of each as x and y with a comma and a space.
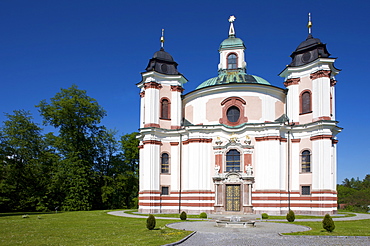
232, 52
310, 79
310, 104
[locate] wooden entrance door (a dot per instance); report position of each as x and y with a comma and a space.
232, 197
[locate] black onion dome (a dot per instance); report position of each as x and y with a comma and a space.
308, 51
163, 55
162, 62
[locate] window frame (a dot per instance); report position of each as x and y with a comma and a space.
168, 190
305, 169
303, 104
231, 116
162, 114
309, 190
228, 59
165, 166
227, 104
232, 168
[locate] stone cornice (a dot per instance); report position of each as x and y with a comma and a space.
321, 137
268, 138
198, 140
155, 142
177, 88
292, 81
153, 85
320, 74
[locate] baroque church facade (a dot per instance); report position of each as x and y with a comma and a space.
237, 144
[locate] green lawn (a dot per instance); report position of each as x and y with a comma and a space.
283, 217
342, 228
83, 228
163, 215
99, 228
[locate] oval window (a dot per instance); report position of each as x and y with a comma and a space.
233, 114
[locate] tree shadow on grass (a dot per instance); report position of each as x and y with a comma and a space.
23, 213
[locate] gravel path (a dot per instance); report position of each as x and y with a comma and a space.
263, 234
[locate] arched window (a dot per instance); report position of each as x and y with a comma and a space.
165, 163
232, 61
233, 114
233, 161
306, 161
306, 102
165, 109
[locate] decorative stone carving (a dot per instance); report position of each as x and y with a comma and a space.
217, 170
293, 81
233, 139
218, 141
247, 140
320, 74
249, 170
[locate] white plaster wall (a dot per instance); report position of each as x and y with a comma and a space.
151, 106
176, 109
175, 168
150, 167
322, 177
332, 89
283, 166
321, 97
142, 167
142, 111
293, 103
334, 166
197, 174
267, 169
185, 169
268, 108
295, 167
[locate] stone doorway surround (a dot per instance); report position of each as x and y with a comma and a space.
222, 180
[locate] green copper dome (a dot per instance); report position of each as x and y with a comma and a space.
235, 77
232, 43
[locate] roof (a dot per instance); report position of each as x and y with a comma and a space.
228, 77
162, 62
308, 51
232, 43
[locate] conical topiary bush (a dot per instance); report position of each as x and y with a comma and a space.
150, 222
328, 223
290, 216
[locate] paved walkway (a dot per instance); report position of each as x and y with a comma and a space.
263, 234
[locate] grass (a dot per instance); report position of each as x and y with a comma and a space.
163, 215
99, 228
342, 228
83, 228
283, 217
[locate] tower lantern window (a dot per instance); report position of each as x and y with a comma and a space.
232, 61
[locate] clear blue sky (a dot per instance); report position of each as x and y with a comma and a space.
103, 46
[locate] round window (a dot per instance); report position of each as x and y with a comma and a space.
233, 114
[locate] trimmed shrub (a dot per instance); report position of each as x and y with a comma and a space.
183, 215
203, 215
265, 216
290, 216
328, 223
150, 222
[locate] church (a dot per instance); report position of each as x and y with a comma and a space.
237, 144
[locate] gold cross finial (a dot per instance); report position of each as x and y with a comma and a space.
162, 39
309, 25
